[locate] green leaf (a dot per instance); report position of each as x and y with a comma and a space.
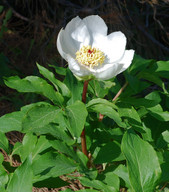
100, 101
162, 69
153, 128
139, 64
38, 117
154, 96
100, 88
3, 174
22, 178
58, 84
165, 171
108, 153
140, 102
121, 171
75, 87
112, 179
63, 165
107, 111
152, 77
63, 148
96, 184
131, 116
57, 131
158, 113
42, 145
11, 122
142, 161
59, 70
28, 144
76, 114
163, 140
37, 85
43, 163
134, 83
4, 144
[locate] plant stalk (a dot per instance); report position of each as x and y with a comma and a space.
83, 135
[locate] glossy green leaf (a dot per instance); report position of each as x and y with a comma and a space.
58, 84
162, 68
134, 83
153, 128
142, 161
163, 140
100, 88
22, 178
43, 162
28, 144
165, 171
158, 113
63, 165
38, 117
42, 145
100, 101
139, 64
62, 148
109, 152
59, 70
34, 84
57, 131
122, 172
152, 77
96, 184
3, 174
11, 122
107, 111
4, 144
76, 114
75, 87
132, 117
112, 179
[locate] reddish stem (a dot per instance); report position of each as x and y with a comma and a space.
83, 135
84, 91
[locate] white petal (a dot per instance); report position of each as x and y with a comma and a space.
73, 37
127, 59
61, 45
95, 24
76, 68
112, 45
108, 71
77, 33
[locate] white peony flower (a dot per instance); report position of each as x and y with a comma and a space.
90, 52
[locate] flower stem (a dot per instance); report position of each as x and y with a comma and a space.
120, 91
83, 135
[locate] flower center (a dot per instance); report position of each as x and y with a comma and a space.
90, 56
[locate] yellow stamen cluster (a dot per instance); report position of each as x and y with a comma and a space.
90, 56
